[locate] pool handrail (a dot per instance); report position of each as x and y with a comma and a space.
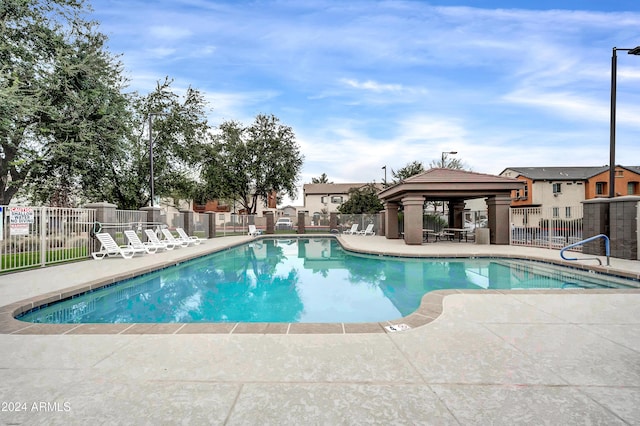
579, 243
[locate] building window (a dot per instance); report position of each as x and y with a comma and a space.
324, 200
556, 212
567, 212
557, 188
336, 200
632, 188
601, 188
525, 195
619, 173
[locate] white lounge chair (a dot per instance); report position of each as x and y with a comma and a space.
368, 231
155, 241
168, 237
110, 248
183, 236
136, 244
353, 230
253, 231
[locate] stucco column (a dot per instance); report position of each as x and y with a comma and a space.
301, 224
413, 212
381, 228
498, 212
595, 221
270, 223
457, 207
154, 217
333, 221
187, 221
212, 224
105, 214
391, 221
623, 226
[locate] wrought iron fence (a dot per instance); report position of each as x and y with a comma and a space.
201, 225
39, 236
552, 227
346, 222
238, 224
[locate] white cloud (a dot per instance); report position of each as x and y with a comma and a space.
372, 85
165, 32
162, 52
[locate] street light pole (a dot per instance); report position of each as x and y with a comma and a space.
444, 157
612, 122
151, 179
151, 159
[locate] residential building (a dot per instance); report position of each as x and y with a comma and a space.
568, 186
221, 207
323, 198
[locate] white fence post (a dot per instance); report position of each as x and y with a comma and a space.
43, 235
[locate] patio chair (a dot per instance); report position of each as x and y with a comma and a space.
368, 231
353, 230
168, 237
110, 248
136, 244
183, 236
155, 241
253, 231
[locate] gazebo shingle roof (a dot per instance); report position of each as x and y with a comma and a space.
448, 184
453, 175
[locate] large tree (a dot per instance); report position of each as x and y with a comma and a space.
362, 200
409, 170
416, 167
84, 129
61, 108
179, 138
248, 163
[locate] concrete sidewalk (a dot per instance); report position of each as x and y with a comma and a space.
496, 358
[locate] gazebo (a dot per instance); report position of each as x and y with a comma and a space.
452, 186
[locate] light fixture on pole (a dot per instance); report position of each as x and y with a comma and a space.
444, 157
612, 122
385, 174
151, 179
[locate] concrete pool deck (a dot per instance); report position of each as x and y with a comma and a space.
488, 358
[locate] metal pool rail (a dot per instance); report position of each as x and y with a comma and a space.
579, 243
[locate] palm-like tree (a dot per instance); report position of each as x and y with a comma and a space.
322, 179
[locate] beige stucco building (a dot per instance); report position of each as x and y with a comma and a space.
327, 197
551, 187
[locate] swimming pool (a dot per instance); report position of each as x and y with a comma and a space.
306, 280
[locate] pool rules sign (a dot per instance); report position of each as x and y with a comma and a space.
19, 220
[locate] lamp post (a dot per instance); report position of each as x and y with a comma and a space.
151, 180
444, 157
612, 122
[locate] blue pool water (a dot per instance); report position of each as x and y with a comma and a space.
301, 280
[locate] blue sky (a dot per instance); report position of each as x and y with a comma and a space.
366, 84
